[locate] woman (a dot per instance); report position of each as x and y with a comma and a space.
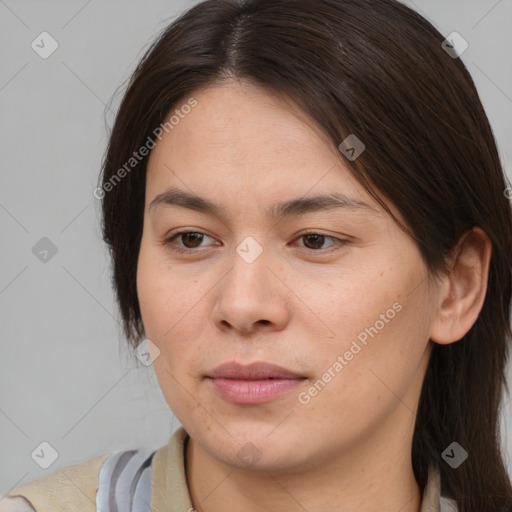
361, 372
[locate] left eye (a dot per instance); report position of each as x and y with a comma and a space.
314, 241
193, 237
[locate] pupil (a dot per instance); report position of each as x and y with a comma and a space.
318, 238
197, 236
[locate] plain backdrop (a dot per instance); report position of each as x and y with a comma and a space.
66, 377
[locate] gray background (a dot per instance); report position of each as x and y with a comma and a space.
65, 375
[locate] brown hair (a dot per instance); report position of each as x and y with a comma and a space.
376, 70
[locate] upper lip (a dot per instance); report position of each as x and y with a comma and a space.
253, 371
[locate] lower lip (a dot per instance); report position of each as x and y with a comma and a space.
252, 392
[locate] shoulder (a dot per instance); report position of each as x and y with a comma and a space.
76, 484
15, 504
82, 487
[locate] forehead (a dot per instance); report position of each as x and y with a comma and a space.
239, 127
242, 143
240, 120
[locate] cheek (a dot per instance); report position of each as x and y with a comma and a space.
173, 315
349, 308
171, 322
378, 331
380, 357
177, 389
166, 298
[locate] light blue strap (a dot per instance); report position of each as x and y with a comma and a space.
447, 505
125, 482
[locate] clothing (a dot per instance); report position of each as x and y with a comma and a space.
139, 481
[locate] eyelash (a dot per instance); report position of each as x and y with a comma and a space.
184, 250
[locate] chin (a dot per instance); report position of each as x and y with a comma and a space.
259, 448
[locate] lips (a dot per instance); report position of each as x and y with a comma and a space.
253, 384
253, 371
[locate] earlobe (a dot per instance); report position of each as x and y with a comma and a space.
462, 292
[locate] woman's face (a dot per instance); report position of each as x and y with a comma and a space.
336, 295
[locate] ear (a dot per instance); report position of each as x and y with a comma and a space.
462, 292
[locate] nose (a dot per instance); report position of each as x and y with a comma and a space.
252, 296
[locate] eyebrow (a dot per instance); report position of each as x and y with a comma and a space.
293, 207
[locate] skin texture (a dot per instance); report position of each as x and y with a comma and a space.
300, 305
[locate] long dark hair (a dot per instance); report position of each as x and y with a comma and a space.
378, 70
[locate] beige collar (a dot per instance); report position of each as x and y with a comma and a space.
169, 479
